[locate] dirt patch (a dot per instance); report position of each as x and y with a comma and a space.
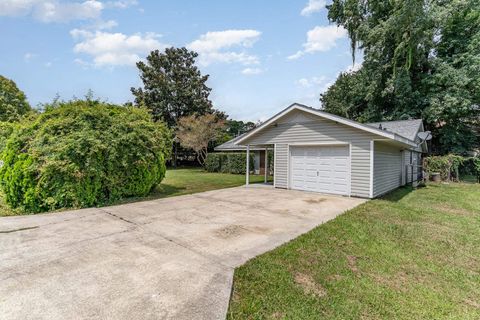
472, 303
335, 277
352, 263
452, 210
230, 231
277, 315
313, 201
309, 285
397, 282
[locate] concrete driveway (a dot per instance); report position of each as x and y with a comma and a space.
163, 259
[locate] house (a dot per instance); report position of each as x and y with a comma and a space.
320, 152
259, 154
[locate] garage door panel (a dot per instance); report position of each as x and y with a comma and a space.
321, 169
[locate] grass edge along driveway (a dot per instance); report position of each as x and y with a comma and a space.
410, 255
176, 182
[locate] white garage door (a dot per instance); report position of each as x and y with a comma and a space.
320, 169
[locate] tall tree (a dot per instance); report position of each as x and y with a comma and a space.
13, 102
173, 86
197, 131
420, 59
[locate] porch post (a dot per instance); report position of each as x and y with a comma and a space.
247, 171
266, 165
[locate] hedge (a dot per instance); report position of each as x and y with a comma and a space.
83, 154
228, 162
451, 167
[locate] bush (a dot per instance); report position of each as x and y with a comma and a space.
447, 166
6, 130
228, 162
451, 166
83, 154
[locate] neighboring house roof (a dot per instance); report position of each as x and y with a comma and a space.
296, 106
406, 128
231, 146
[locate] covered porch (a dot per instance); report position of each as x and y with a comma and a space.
261, 161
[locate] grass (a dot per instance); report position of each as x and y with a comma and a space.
177, 182
410, 255
192, 180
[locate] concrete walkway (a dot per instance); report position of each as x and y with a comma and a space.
164, 259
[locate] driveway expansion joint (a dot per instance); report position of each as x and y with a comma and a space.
118, 217
19, 229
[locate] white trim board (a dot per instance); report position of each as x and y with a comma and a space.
372, 157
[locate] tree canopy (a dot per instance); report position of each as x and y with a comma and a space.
13, 102
197, 131
173, 87
421, 60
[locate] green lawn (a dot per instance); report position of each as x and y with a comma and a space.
410, 255
178, 182
193, 180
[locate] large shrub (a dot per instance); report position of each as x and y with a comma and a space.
228, 162
81, 154
451, 166
6, 130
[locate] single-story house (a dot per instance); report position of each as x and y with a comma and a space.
259, 154
321, 152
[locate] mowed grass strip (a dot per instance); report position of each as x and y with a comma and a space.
410, 255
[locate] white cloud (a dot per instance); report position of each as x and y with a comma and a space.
17, 7
60, 10
122, 4
47, 64
54, 11
104, 25
251, 71
320, 39
312, 7
217, 46
115, 49
310, 82
29, 56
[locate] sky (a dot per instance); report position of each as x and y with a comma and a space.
261, 55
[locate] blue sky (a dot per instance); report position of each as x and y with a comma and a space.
261, 55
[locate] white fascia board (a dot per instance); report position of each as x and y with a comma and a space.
331, 117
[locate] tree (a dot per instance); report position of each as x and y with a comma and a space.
197, 131
173, 86
237, 127
421, 60
13, 102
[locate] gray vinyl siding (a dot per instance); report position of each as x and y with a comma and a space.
281, 166
415, 159
387, 168
319, 131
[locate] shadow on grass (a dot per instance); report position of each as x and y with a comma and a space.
165, 190
397, 194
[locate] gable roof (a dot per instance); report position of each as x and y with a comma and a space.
329, 116
405, 128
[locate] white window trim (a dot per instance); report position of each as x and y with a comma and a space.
372, 155
275, 165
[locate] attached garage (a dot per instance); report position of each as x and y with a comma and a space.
323, 169
319, 152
